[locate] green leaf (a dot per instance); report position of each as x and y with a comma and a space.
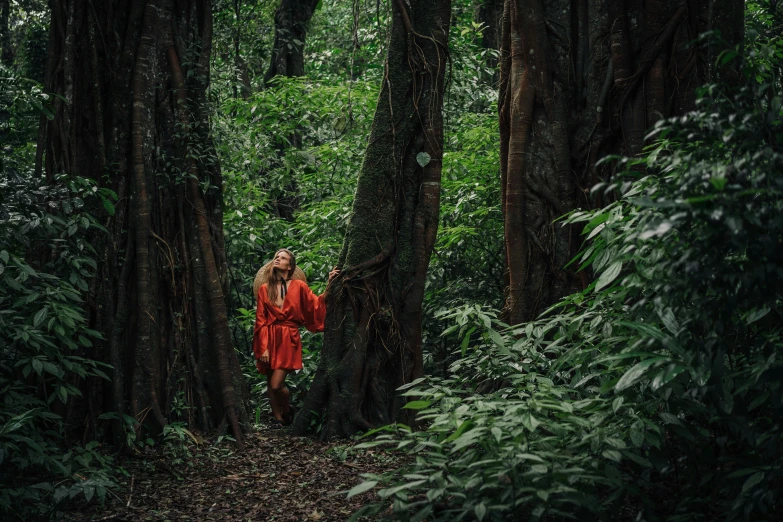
609, 275
757, 314
630, 377
669, 321
462, 429
103, 375
497, 339
411, 384
666, 375
669, 418
466, 340
529, 421
422, 158
758, 401
417, 405
612, 455
109, 206
726, 56
480, 510
637, 433
752, 481
630, 455
361, 488
60, 494
597, 220
40, 317
719, 182
54, 370
17, 422
368, 510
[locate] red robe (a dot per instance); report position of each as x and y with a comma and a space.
277, 330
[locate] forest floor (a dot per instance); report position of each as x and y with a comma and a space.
276, 478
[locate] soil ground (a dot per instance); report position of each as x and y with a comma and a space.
276, 478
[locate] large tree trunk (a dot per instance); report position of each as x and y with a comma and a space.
580, 80
241, 75
6, 53
373, 326
291, 19
490, 13
129, 120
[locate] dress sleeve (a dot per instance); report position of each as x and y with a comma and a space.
313, 309
260, 337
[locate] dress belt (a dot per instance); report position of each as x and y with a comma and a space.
288, 324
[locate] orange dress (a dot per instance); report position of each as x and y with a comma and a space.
277, 330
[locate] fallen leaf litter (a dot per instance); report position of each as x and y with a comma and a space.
308, 480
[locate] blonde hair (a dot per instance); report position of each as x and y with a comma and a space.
271, 283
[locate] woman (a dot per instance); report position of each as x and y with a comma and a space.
284, 304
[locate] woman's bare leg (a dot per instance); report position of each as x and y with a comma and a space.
279, 397
273, 402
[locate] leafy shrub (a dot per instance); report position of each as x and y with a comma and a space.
656, 392
45, 265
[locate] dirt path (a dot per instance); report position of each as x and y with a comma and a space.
276, 477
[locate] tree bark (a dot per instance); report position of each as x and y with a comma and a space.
6, 53
372, 342
291, 19
132, 119
241, 85
491, 15
580, 80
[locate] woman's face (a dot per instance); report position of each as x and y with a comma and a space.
282, 261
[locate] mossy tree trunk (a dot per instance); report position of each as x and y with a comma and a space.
372, 341
578, 81
126, 117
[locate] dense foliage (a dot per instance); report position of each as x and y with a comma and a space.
655, 393
46, 264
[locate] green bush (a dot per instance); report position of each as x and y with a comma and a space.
655, 393
45, 265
